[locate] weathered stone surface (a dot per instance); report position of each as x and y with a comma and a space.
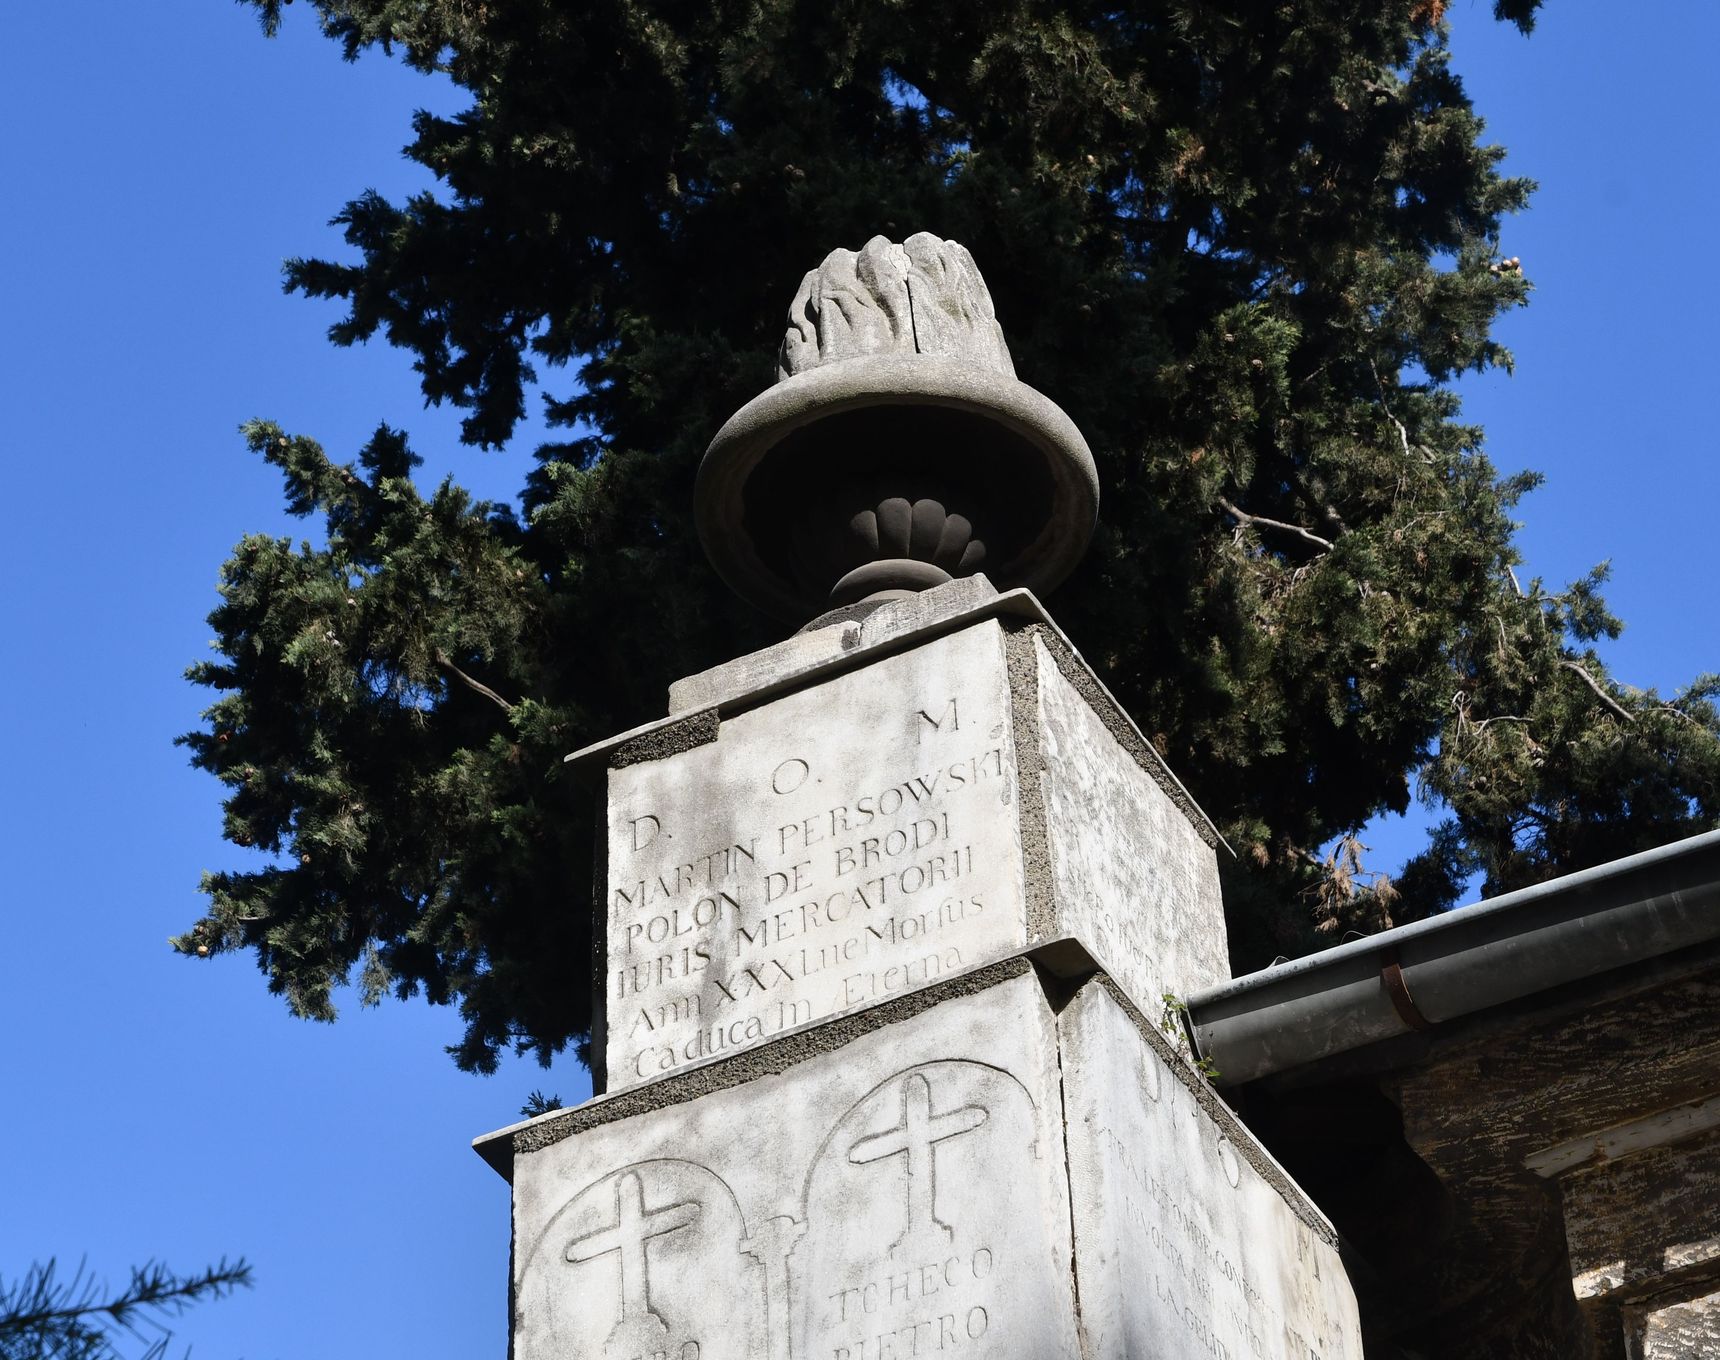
901, 1194
918, 813
924, 296
959, 1171
1189, 1240
828, 849
1134, 878
818, 647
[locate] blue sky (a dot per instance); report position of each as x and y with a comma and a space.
159, 165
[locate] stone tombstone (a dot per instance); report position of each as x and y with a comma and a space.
906, 813
967, 1170
886, 1190
885, 908
1189, 1240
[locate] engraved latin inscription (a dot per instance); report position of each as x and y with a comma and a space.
930, 1307
789, 776
1195, 1276
1226, 1265
949, 716
1228, 1307
830, 849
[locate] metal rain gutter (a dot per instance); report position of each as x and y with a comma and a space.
1420, 975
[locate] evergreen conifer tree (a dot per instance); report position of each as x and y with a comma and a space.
1245, 246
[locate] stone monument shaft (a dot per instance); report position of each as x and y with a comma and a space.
891, 910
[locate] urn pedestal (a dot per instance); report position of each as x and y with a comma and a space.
891, 917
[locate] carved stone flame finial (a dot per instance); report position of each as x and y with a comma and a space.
924, 296
897, 449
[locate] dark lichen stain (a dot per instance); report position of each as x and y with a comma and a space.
696, 729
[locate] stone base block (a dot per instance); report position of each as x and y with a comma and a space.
946, 797
963, 1171
1190, 1241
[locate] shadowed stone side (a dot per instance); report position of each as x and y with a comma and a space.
1221, 1115
1030, 769
1116, 721
1188, 1239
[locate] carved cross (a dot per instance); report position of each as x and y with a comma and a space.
634, 1227
916, 1138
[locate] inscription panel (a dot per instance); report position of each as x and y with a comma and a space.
934, 1167
1184, 1249
1135, 881
901, 1196
829, 849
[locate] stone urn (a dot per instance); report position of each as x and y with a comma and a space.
897, 450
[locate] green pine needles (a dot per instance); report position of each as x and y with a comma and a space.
44, 1317
1246, 247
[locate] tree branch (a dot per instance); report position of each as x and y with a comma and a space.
1315, 495
1600, 693
45, 1316
1481, 726
1245, 518
1402, 429
441, 659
